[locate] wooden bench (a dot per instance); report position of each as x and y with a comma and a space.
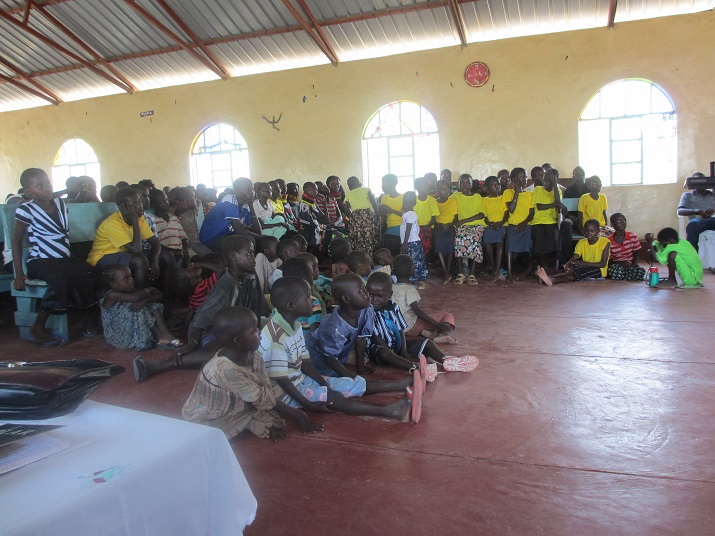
84, 218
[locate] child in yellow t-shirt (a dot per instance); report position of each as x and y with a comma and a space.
444, 228
391, 211
470, 227
544, 226
496, 215
521, 212
594, 205
590, 259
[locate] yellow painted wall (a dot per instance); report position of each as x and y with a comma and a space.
541, 85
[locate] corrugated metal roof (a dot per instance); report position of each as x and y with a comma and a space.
253, 36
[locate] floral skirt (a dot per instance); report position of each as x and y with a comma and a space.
363, 234
468, 242
420, 273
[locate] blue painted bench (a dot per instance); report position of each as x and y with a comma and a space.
84, 218
571, 205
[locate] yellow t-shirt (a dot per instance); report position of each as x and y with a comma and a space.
278, 206
523, 206
396, 204
593, 253
113, 234
543, 197
593, 208
359, 199
447, 210
494, 208
426, 209
469, 206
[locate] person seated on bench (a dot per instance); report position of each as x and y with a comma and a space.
698, 206
118, 240
233, 215
45, 221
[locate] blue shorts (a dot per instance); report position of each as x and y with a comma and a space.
118, 258
313, 391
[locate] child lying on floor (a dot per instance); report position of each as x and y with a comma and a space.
290, 366
233, 392
680, 257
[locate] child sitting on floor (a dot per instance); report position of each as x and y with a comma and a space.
290, 366
382, 260
434, 326
340, 249
233, 391
285, 249
680, 257
360, 263
132, 318
624, 252
589, 261
196, 281
301, 267
267, 261
389, 344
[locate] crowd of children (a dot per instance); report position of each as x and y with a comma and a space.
272, 333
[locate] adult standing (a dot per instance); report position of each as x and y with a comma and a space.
699, 206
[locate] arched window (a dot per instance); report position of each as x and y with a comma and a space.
74, 159
400, 138
627, 134
219, 155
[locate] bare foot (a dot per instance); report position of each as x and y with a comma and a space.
41, 334
401, 410
543, 276
427, 334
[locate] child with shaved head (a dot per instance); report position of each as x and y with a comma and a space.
233, 392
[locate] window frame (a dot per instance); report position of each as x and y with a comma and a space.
77, 169
374, 183
235, 155
672, 115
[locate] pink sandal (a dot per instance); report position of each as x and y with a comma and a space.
423, 372
465, 363
414, 394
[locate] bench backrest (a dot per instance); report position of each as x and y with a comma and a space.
84, 218
571, 204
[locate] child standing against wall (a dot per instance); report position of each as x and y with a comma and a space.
496, 215
362, 207
444, 228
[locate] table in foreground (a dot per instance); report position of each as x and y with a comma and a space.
130, 473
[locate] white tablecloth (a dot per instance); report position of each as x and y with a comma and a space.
128, 473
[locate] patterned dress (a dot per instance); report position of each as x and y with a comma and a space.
127, 330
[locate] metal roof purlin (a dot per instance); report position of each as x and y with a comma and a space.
69, 33
12, 20
322, 45
44, 3
194, 38
458, 20
177, 39
49, 95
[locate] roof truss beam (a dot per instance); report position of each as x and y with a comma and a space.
69, 33
458, 20
41, 91
38, 35
612, 7
188, 47
315, 32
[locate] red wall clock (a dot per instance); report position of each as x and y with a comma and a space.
476, 74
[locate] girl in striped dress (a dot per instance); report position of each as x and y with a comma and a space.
44, 219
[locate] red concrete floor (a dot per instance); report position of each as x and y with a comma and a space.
591, 413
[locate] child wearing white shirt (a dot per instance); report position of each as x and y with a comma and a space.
410, 238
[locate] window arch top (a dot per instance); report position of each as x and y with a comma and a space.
218, 137
74, 159
400, 118
629, 97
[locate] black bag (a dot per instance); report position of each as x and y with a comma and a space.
42, 390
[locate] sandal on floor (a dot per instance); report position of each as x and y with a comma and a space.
459, 279
421, 285
414, 394
172, 345
466, 363
471, 280
139, 369
56, 341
